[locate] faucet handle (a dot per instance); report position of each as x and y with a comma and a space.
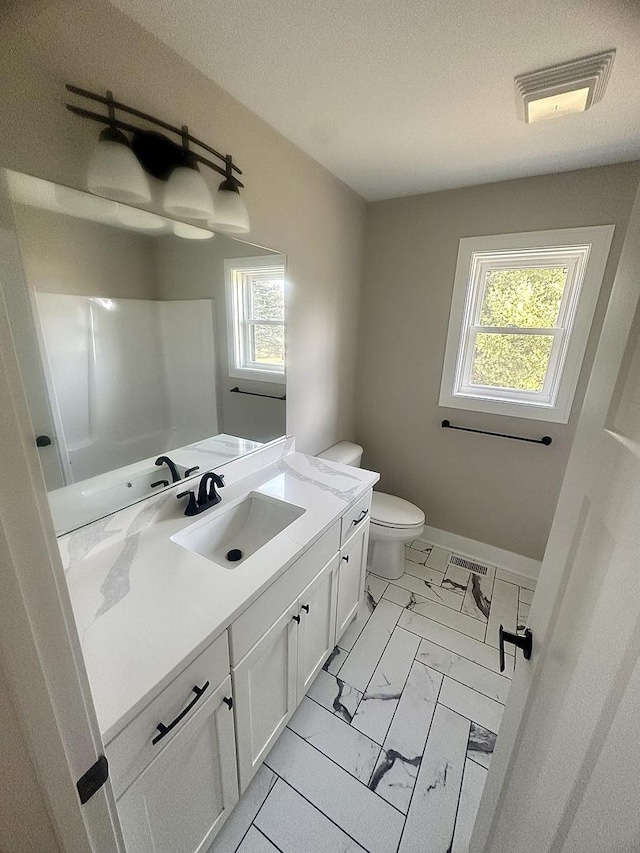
192, 504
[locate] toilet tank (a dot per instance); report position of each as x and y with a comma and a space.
345, 451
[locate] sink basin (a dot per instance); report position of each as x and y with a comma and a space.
243, 528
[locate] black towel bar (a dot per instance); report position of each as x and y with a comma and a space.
546, 439
236, 390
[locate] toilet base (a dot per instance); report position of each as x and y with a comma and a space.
386, 559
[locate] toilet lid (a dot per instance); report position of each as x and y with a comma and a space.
390, 511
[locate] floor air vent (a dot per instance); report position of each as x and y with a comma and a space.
469, 565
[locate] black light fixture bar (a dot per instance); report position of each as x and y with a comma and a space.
229, 165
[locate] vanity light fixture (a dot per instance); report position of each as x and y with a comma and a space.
191, 232
572, 87
112, 173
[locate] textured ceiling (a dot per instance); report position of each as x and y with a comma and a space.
411, 96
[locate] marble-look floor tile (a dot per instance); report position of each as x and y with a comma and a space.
423, 573
350, 749
437, 612
365, 654
245, 811
438, 559
358, 811
335, 660
504, 610
465, 671
482, 742
294, 825
459, 643
421, 545
472, 784
471, 704
432, 813
477, 598
395, 775
525, 596
334, 695
383, 692
255, 842
518, 580
413, 556
374, 589
523, 617
456, 579
424, 589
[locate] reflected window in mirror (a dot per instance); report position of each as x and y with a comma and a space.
255, 299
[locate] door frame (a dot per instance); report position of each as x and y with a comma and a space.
40, 650
568, 521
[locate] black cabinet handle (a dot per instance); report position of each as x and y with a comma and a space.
520, 642
363, 515
306, 608
228, 701
346, 559
297, 618
43, 441
164, 730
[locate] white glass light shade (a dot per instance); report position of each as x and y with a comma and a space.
187, 194
191, 232
231, 213
114, 171
139, 220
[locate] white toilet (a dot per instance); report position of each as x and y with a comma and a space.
394, 521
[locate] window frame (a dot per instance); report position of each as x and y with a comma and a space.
240, 319
584, 251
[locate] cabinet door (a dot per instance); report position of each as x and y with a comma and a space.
265, 692
317, 628
351, 576
181, 800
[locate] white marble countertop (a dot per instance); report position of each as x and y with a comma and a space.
145, 606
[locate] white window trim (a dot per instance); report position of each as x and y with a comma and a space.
235, 338
554, 403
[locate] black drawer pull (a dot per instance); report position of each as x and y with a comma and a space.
306, 608
297, 618
228, 701
363, 515
164, 730
346, 559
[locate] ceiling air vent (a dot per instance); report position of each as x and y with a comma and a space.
469, 565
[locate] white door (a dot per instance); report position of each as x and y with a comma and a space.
317, 629
565, 777
264, 690
181, 800
40, 650
351, 575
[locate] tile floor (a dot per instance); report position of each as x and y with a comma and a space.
389, 750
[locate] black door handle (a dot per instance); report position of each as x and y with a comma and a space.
164, 730
519, 641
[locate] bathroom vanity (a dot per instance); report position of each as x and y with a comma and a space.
196, 663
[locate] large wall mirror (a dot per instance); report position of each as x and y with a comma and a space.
150, 349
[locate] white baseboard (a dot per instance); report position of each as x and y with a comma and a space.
515, 563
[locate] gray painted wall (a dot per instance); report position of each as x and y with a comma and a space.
496, 491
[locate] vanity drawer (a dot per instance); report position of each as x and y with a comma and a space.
132, 749
355, 516
256, 620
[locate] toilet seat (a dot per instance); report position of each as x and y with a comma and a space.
391, 511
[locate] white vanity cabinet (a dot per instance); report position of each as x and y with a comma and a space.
271, 679
183, 797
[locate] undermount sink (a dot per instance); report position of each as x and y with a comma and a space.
234, 534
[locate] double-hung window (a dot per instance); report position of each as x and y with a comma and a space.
255, 311
520, 317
